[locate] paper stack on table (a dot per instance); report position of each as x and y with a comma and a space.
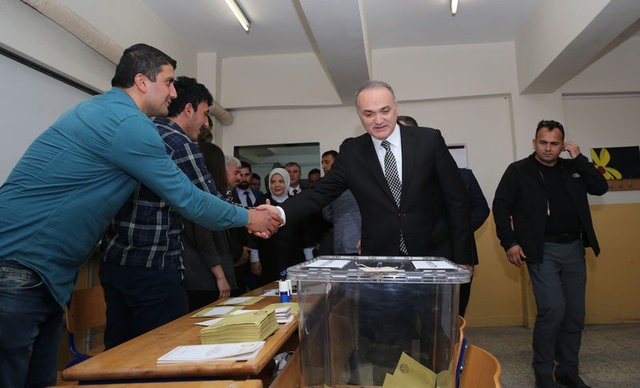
249, 327
283, 315
214, 352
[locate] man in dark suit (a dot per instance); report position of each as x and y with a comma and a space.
246, 195
479, 213
432, 217
413, 203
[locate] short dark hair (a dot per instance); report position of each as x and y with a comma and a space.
550, 125
244, 164
140, 58
255, 176
333, 153
189, 91
408, 120
313, 171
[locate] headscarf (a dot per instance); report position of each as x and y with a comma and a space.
287, 181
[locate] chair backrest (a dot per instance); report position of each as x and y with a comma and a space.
87, 309
480, 369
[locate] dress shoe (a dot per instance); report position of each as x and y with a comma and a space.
570, 378
545, 381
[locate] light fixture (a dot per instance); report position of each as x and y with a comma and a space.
239, 14
454, 7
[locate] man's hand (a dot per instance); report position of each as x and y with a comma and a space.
256, 268
276, 220
224, 288
572, 148
221, 281
263, 221
516, 256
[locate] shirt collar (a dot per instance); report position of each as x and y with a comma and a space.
169, 123
394, 138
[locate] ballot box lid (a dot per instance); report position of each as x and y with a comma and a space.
383, 269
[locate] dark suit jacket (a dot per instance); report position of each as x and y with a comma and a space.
434, 209
479, 207
260, 196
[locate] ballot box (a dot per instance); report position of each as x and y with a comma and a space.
365, 320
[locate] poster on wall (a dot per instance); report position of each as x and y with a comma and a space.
619, 165
459, 153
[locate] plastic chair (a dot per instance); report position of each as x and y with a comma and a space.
87, 310
479, 369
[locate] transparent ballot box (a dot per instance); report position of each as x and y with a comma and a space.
374, 321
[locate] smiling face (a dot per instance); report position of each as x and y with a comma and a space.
233, 175
548, 146
196, 120
277, 185
158, 93
378, 112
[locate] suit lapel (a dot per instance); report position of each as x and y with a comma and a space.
409, 152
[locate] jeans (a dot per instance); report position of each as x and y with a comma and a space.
30, 328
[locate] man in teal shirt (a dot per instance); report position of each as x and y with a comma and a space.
66, 188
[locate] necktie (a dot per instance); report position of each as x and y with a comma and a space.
295, 191
393, 180
248, 197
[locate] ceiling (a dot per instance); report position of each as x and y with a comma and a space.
277, 28
340, 32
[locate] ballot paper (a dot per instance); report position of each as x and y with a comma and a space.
274, 306
209, 322
323, 263
242, 300
410, 373
215, 311
240, 351
433, 264
253, 326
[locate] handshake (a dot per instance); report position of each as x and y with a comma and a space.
265, 220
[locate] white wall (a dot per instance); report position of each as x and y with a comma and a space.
32, 101
27, 32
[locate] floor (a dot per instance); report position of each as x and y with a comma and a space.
609, 357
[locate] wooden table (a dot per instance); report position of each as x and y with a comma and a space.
182, 384
136, 359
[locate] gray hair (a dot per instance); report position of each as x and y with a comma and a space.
372, 84
231, 160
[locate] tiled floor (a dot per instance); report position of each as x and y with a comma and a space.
609, 357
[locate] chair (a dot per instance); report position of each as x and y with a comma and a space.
87, 310
480, 369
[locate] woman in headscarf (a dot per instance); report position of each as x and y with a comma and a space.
290, 246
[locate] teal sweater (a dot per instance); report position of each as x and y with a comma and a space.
76, 175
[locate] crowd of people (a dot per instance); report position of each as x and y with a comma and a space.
179, 224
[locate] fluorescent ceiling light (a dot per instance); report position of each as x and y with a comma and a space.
239, 14
454, 7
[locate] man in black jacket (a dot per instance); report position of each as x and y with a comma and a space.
542, 218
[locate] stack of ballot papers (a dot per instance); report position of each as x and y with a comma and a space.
283, 315
215, 352
249, 327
